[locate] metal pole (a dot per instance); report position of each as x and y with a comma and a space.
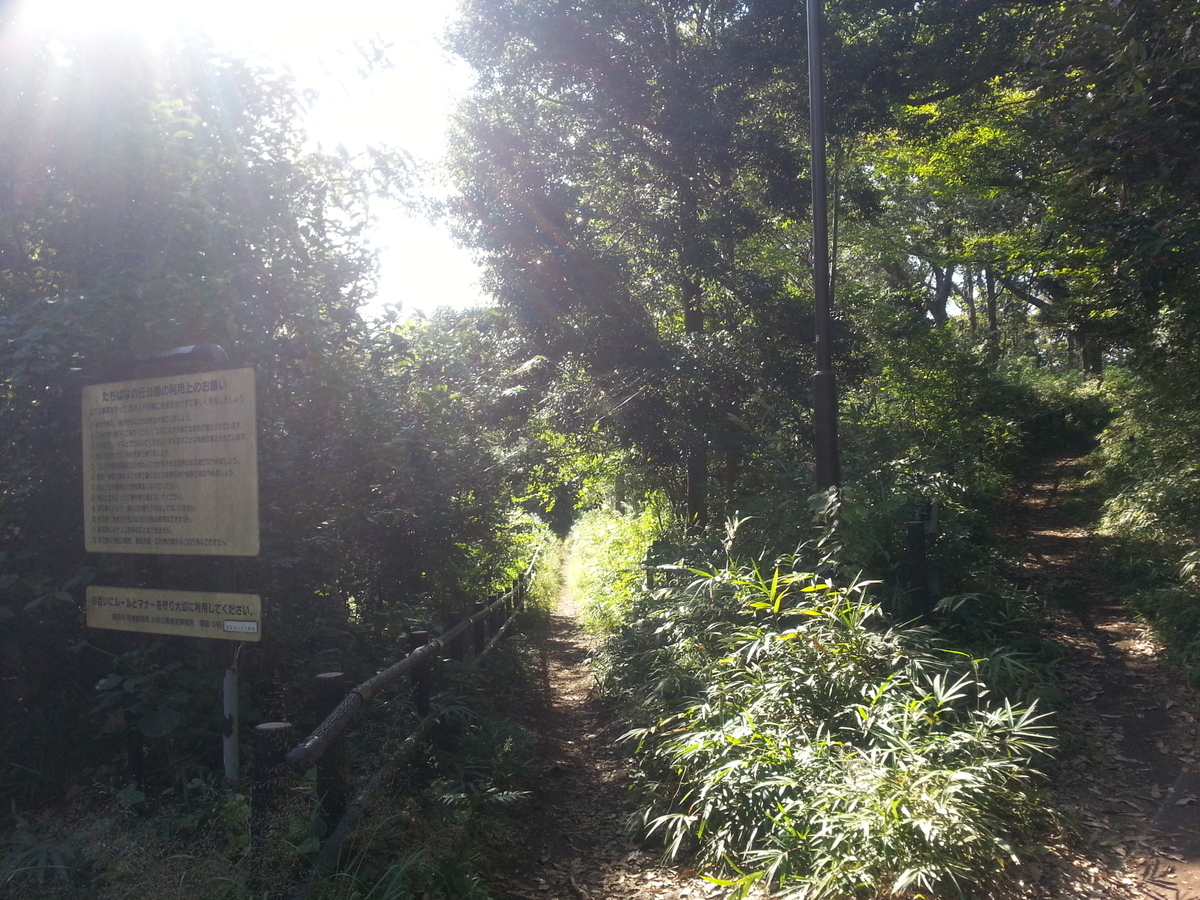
825, 449
227, 579
229, 706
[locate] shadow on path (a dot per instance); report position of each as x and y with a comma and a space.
1132, 782
573, 837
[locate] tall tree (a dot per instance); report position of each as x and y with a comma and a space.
633, 173
154, 199
599, 174
1116, 85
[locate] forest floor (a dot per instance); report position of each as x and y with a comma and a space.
1127, 784
1128, 779
573, 836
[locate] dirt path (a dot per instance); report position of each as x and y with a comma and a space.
1128, 780
573, 840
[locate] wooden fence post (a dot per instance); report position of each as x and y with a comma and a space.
421, 675
457, 646
270, 746
135, 751
331, 767
918, 568
480, 628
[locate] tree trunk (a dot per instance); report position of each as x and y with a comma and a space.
968, 296
1088, 352
943, 282
993, 323
697, 487
993, 319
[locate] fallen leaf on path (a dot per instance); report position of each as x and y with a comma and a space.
1125, 801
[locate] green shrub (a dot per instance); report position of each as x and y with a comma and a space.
606, 554
1149, 479
1149, 468
1173, 612
806, 744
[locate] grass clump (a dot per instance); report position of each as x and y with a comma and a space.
1148, 480
793, 737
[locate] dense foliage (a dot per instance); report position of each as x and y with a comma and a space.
1013, 218
158, 199
1014, 191
813, 747
635, 175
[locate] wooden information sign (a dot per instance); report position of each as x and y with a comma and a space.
170, 466
229, 617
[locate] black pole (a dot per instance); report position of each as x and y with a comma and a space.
825, 449
918, 569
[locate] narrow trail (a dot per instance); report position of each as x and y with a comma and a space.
573, 840
1129, 779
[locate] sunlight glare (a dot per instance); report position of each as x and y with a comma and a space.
336, 51
86, 17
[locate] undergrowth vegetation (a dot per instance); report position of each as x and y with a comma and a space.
792, 734
427, 838
607, 548
1147, 480
798, 723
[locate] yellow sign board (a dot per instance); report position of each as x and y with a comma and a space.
170, 465
229, 617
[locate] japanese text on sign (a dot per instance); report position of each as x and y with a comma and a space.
230, 617
170, 465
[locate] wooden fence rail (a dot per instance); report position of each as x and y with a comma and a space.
305, 754
324, 748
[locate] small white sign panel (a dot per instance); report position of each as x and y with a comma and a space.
227, 617
170, 465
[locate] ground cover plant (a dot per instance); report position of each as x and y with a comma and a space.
790, 733
836, 757
1145, 485
431, 835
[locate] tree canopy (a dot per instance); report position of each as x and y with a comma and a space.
1014, 215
